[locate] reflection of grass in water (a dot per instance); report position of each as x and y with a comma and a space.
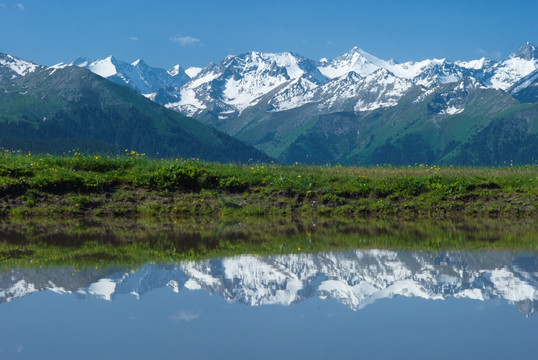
84, 245
82, 209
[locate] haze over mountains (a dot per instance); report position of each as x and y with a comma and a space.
354, 109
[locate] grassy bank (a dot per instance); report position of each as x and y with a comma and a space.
134, 186
256, 207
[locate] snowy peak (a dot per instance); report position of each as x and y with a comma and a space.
441, 72
273, 82
137, 75
289, 65
139, 62
177, 70
105, 68
248, 77
506, 73
527, 51
241, 81
363, 63
475, 64
15, 66
356, 60
353, 92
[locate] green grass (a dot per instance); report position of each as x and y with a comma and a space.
89, 183
133, 209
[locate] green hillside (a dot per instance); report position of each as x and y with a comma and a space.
73, 108
490, 127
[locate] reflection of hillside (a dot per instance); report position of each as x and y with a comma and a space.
356, 278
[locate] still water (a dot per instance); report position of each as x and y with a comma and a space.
372, 304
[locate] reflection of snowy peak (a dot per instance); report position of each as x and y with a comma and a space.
359, 278
355, 279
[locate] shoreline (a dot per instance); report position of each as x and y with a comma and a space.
194, 209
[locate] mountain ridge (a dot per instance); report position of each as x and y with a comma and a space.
274, 101
61, 108
288, 106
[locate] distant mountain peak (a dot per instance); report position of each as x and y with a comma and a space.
174, 70
17, 66
138, 62
527, 51
138, 75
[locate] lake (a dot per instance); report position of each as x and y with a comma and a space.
369, 304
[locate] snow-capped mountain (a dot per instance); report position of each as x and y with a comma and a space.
41, 105
346, 110
355, 279
353, 92
239, 82
137, 75
273, 82
506, 73
12, 67
452, 100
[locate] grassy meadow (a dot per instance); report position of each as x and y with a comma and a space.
134, 208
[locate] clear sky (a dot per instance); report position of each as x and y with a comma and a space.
197, 32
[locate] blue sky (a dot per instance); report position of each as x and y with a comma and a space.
194, 33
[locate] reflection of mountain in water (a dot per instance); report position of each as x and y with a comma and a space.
355, 279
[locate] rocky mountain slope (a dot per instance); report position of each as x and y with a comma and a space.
62, 108
277, 102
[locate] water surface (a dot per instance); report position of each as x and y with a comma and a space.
371, 304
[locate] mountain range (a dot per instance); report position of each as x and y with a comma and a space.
55, 110
355, 279
355, 109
